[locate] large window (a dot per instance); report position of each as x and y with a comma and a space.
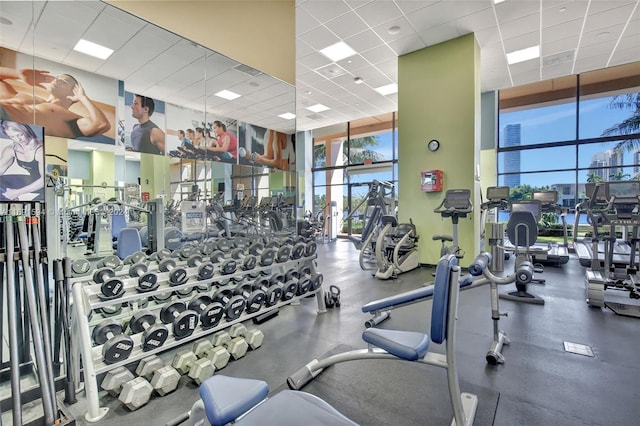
345, 164
561, 134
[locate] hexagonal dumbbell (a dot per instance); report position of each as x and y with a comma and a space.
200, 347
135, 393
147, 366
236, 346
114, 379
165, 380
218, 355
253, 337
186, 362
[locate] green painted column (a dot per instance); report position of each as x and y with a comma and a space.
103, 174
154, 176
439, 98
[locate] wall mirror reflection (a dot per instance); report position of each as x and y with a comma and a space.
145, 130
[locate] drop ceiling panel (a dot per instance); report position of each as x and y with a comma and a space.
481, 20
364, 41
409, 6
522, 41
516, 10
378, 12
326, 10
378, 54
439, 34
346, 25
403, 29
602, 20
319, 38
304, 21
525, 24
408, 44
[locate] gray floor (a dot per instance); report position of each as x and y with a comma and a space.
540, 383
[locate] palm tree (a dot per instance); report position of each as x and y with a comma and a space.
620, 175
629, 126
358, 150
594, 177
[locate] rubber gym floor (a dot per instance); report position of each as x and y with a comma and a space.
539, 384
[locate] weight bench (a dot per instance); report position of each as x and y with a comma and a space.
244, 402
413, 346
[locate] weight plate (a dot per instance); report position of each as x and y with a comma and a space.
206, 271
154, 337
194, 260
249, 262
185, 324
229, 267
136, 323
110, 262
137, 269
117, 349
290, 289
207, 248
234, 308
237, 253
186, 251
298, 251
211, 315
255, 301
224, 245
273, 295
310, 248
304, 284
316, 281
80, 266
112, 289
178, 276
267, 257
103, 274
217, 256
100, 333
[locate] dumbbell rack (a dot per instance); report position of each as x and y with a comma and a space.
86, 300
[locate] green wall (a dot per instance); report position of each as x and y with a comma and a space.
439, 98
102, 174
154, 175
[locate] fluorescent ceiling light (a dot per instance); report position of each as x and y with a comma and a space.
287, 116
318, 108
498, 1
93, 49
523, 55
227, 94
338, 51
388, 89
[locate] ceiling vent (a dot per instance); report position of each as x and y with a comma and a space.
330, 71
247, 70
558, 58
314, 117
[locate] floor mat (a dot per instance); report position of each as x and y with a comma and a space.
389, 392
624, 309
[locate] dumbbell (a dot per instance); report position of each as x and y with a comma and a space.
273, 292
236, 346
136, 393
80, 267
205, 269
110, 286
227, 266
247, 261
267, 255
198, 369
177, 275
184, 321
111, 261
253, 337
233, 305
298, 250
289, 287
218, 355
310, 248
134, 258
164, 379
255, 298
153, 335
210, 312
116, 345
115, 378
147, 281
159, 255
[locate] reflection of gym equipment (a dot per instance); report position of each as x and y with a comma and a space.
396, 248
621, 210
414, 346
522, 231
456, 204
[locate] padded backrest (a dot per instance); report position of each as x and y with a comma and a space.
387, 218
118, 222
441, 289
128, 242
522, 229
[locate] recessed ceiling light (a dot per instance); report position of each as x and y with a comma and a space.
358, 80
227, 94
308, 92
318, 108
338, 51
287, 116
5, 21
498, 1
394, 30
388, 89
523, 55
93, 49
563, 9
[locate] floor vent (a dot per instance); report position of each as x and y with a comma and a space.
577, 348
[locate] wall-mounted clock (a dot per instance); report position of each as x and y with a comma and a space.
433, 145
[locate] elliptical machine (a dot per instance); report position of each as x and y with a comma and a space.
396, 249
456, 204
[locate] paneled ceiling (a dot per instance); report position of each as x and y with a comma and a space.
574, 37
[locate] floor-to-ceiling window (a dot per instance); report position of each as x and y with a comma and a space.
560, 134
346, 164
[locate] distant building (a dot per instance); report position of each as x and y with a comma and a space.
603, 164
512, 158
636, 162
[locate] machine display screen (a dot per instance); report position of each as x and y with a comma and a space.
527, 206
624, 191
496, 193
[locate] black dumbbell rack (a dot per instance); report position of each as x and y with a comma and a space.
88, 298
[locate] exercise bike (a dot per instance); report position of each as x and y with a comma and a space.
456, 204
